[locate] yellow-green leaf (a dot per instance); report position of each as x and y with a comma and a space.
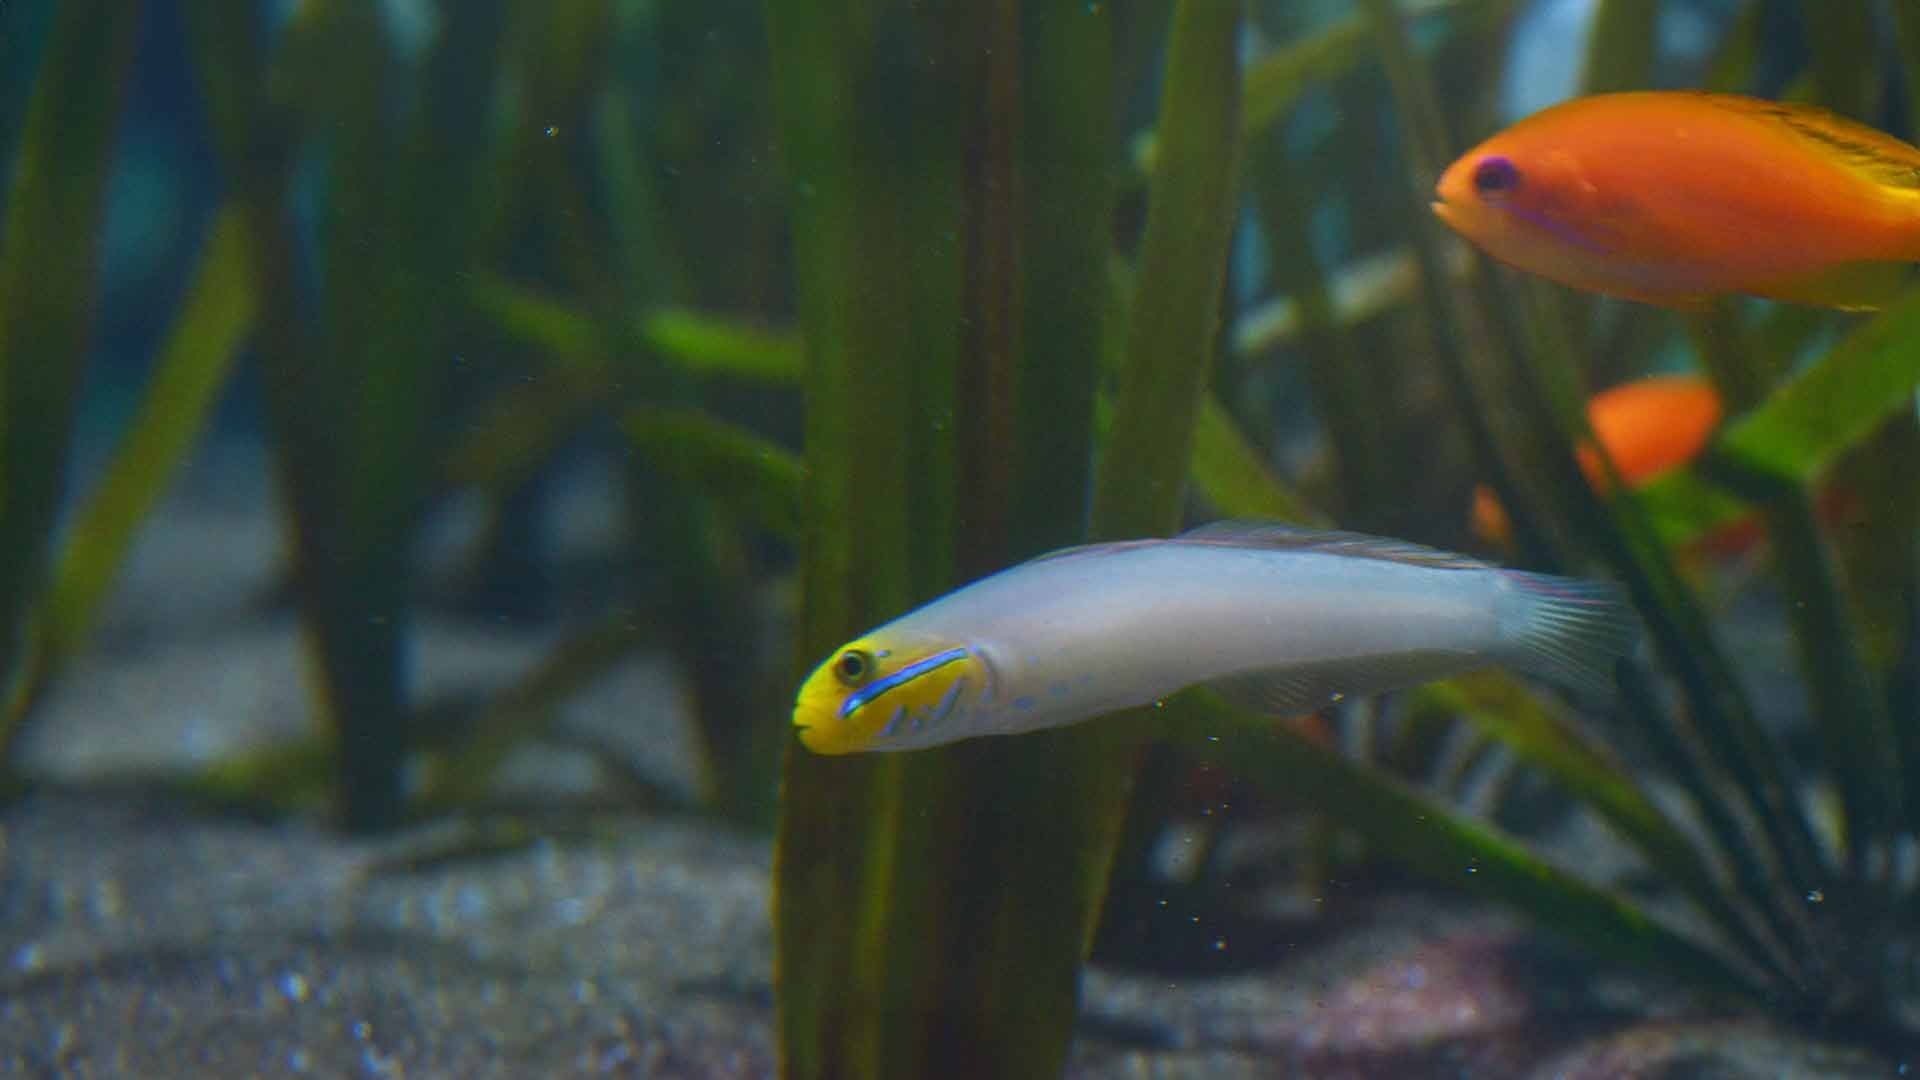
1802, 427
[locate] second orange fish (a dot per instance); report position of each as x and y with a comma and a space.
1648, 426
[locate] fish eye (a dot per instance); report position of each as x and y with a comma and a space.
853, 667
1495, 176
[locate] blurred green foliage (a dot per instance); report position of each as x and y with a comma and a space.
55, 197
908, 292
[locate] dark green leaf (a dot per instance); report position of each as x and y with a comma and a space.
561, 331
48, 262
1804, 426
199, 351
1235, 478
1174, 315
699, 344
1430, 838
1620, 51
525, 711
758, 478
707, 345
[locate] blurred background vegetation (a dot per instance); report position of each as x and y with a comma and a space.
863, 299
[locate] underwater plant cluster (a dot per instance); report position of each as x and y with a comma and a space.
1387, 438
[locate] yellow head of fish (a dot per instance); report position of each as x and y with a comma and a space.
885, 692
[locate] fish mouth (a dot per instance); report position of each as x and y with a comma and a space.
804, 734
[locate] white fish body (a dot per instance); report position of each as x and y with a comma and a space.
1282, 618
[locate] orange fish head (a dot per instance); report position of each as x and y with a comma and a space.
1532, 208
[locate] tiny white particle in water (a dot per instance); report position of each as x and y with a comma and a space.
552, 131
1219, 944
293, 986
1816, 896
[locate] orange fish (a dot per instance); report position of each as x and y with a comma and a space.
1648, 426
1673, 198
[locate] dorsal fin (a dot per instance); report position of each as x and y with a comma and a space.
1277, 536
1274, 536
1081, 551
1872, 153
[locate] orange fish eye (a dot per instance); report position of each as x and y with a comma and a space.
1495, 175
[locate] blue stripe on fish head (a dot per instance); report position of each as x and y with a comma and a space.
895, 696
866, 694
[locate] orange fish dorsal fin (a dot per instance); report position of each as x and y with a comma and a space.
1873, 154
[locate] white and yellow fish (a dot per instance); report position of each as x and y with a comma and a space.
1281, 618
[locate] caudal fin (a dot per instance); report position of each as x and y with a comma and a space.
1567, 631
